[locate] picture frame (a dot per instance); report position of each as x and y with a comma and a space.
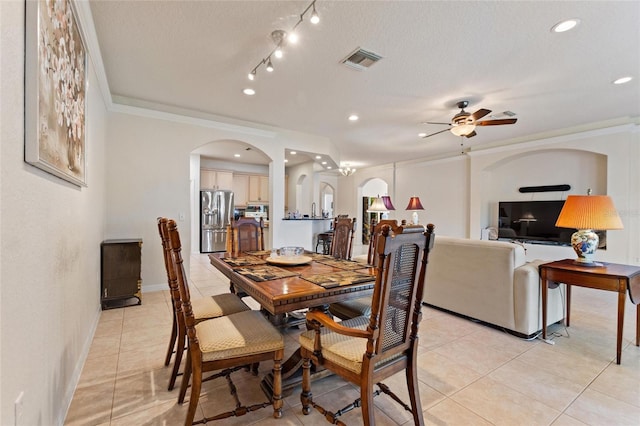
55, 90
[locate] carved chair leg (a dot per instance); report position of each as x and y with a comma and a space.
178, 359
366, 397
185, 379
196, 387
172, 341
306, 396
412, 386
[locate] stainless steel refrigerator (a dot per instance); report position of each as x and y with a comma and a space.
216, 212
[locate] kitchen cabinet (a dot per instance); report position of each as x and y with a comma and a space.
240, 189
258, 189
120, 266
216, 179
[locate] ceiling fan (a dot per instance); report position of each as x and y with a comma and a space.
464, 123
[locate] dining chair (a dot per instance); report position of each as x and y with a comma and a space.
204, 308
247, 234
342, 239
362, 305
226, 343
365, 351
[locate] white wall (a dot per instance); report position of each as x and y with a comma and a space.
49, 251
460, 193
161, 185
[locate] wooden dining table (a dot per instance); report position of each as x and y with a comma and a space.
282, 287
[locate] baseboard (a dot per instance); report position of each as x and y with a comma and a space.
148, 288
75, 377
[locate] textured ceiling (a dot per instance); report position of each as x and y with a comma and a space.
499, 55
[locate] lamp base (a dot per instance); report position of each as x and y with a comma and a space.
585, 243
414, 218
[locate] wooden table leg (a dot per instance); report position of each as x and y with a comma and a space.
621, 303
567, 321
543, 290
637, 325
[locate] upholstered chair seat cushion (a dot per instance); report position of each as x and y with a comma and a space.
240, 334
217, 306
352, 308
343, 350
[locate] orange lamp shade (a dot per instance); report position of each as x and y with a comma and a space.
589, 212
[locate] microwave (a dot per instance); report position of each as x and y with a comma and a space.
257, 211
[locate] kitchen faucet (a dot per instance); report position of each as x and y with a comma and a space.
313, 209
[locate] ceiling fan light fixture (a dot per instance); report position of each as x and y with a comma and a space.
463, 129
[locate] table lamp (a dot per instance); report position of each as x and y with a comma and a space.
378, 207
387, 202
586, 213
414, 204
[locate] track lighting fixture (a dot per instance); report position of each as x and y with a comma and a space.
282, 38
314, 15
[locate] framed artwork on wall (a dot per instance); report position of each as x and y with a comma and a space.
55, 90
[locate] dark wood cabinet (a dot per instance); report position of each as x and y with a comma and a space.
120, 268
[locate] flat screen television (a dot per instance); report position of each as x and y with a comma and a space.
532, 222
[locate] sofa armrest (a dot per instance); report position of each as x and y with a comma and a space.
527, 301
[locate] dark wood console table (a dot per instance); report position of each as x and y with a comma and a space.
608, 276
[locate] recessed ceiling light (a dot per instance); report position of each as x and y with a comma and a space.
353, 117
318, 157
422, 135
328, 167
249, 92
324, 163
293, 153
286, 161
567, 25
623, 80
236, 155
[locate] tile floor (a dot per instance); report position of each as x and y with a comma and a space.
469, 374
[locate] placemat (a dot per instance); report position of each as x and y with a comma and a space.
258, 252
237, 262
348, 265
337, 279
265, 273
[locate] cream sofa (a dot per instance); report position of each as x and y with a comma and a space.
489, 281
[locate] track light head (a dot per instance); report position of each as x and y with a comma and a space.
314, 15
269, 65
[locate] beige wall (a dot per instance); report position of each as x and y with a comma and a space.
49, 251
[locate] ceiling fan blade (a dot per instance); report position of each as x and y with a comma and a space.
472, 134
479, 114
436, 133
496, 122
431, 122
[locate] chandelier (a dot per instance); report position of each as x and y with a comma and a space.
346, 170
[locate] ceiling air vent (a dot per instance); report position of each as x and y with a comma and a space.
361, 59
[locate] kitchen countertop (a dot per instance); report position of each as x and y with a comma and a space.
309, 218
